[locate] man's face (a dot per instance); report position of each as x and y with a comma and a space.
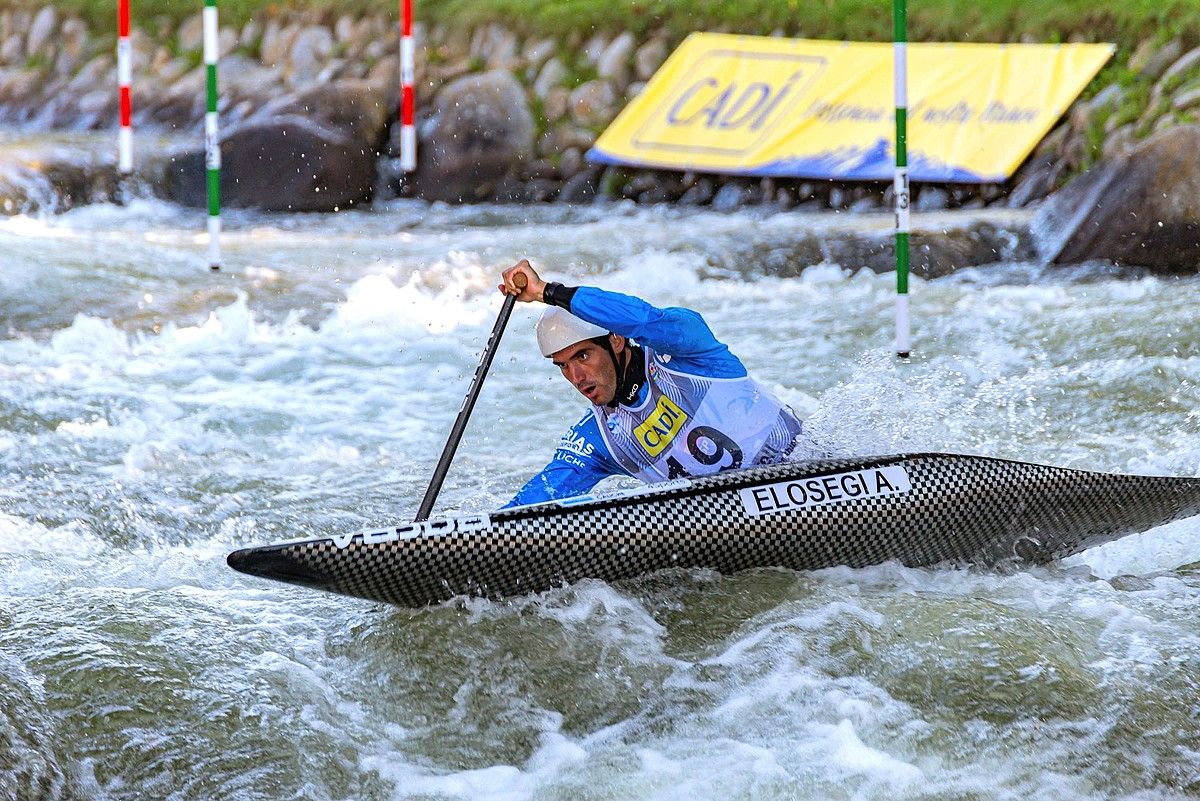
589, 369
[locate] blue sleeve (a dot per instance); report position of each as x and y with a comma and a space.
580, 462
679, 333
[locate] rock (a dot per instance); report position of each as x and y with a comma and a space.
480, 130
272, 50
243, 78
1142, 208
1157, 64
1141, 54
74, 44
1120, 141
500, 48
94, 74
581, 187
1163, 123
554, 107
13, 50
649, 58
355, 110
227, 41
41, 30
866, 204
594, 48
173, 70
334, 70
309, 53
932, 198
571, 162
536, 53
563, 137
551, 75
1186, 62
191, 33
282, 164
931, 254
540, 190
731, 196
1186, 100
345, 28
593, 104
18, 87
251, 35
542, 168
1111, 95
96, 108
386, 73
614, 61
1033, 181
613, 181
698, 193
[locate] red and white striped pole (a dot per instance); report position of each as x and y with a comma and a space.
124, 79
408, 130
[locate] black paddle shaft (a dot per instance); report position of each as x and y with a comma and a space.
464, 412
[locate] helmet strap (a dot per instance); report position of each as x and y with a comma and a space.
627, 385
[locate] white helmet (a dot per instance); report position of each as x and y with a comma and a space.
560, 329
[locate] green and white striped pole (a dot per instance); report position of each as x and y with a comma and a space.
212, 141
900, 187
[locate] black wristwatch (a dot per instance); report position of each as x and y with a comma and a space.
556, 294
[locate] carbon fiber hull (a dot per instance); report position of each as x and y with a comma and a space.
917, 509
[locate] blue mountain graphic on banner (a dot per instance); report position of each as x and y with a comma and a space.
875, 162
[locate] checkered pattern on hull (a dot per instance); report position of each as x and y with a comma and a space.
961, 509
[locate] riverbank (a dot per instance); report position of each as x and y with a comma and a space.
506, 112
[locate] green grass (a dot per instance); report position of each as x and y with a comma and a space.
1122, 21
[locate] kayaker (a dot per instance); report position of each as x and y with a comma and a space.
668, 399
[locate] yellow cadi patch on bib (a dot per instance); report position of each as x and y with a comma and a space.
660, 427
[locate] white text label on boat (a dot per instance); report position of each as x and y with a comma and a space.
805, 493
411, 531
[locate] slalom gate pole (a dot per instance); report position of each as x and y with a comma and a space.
124, 80
468, 404
212, 141
408, 131
900, 187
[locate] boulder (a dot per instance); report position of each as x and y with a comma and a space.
592, 104
1158, 62
356, 110
191, 33
551, 75
41, 31
309, 52
480, 130
614, 61
13, 50
1140, 208
536, 53
251, 35
649, 58
1185, 63
580, 187
287, 163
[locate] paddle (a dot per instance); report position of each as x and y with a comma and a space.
464, 412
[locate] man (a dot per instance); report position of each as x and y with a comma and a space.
668, 399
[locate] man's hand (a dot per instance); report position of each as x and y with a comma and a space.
532, 291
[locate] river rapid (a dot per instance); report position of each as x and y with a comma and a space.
154, 416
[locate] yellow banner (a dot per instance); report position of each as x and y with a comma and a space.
756, 105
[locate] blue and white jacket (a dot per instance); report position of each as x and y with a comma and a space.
697, 413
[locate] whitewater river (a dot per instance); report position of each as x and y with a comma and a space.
154, 416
